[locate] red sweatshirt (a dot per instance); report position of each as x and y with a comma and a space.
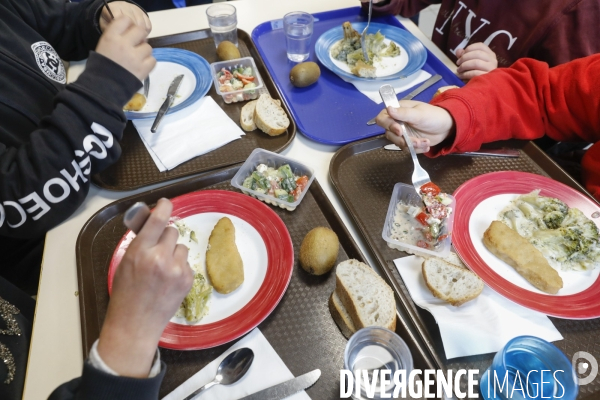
527, 101
554, 31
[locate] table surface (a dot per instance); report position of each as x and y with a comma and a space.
56, 353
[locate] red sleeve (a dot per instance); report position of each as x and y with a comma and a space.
571, 35
405, 8
526, 101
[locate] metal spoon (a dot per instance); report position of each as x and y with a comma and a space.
363, 36
231, 369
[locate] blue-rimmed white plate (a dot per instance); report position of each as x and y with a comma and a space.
411, 59
171, 62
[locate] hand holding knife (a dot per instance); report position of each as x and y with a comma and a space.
168, 102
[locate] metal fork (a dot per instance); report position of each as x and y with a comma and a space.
419, 176
363, 35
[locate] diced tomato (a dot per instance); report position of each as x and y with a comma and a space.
422, 218
423, 244
242, 77
430, 188
442, 237
302, 181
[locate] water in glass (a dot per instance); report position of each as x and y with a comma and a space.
298, 42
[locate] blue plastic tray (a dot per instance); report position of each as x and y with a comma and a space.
332, 111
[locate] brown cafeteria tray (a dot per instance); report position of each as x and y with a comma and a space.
300, 328
364, 175
135, 167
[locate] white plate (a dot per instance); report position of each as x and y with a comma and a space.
254, 257
481, 218
384, 67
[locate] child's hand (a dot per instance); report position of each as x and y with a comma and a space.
152, 279
476, 59
431, 125
123, 8
125, 43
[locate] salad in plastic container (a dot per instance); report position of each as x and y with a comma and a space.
420, 223
274, 179
236, 80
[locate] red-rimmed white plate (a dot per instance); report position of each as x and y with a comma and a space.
478, 202
266, 249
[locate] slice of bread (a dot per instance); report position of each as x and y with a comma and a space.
341, 316
451, 283
269, 117
247, 116
365, 295
454, 259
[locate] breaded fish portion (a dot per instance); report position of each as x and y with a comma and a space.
223, 261
515, 250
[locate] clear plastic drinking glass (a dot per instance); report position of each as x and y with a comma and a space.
298, 28
516, 372
376, 348
222, 19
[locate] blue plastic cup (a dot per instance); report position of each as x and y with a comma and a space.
529, 368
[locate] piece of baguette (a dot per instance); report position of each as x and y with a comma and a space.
365, 295
269, 117
247, 116
512, 248
451, 283
364, 70
341, 316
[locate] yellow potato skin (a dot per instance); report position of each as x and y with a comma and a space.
224, 264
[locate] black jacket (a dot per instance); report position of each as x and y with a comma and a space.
53, 136
98, 385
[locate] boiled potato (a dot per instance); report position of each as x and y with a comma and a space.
137, 102
319, 250
227, 51
223, 261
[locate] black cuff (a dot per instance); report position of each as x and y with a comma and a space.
107, 79
96, 384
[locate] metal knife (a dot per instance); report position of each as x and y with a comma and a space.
173, 87
415, 92
287, 388
509, 153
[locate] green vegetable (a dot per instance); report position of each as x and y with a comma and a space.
261, 181
286, 171
195, 303
281, 194
248, 182
434, 229
193, 237
390, 51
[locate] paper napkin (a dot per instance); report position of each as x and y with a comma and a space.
188, 133
266, 370
371, 88
480, 326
